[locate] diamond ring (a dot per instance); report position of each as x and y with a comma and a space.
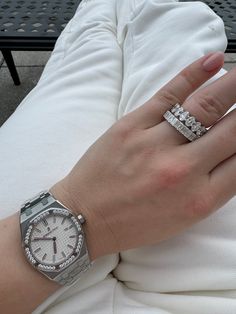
185, 123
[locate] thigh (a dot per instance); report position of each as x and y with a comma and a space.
162, 38
74, 102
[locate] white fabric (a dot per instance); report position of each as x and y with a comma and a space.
112, 56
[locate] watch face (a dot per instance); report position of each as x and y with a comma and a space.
53, 239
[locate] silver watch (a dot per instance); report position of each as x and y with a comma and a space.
53, 239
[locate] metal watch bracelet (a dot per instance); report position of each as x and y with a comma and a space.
33, 207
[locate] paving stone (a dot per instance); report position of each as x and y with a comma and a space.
230, 57
26, 58
229, 66
12, 95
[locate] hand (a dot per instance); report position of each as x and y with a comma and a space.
142, 181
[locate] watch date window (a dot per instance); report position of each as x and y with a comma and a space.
53, 239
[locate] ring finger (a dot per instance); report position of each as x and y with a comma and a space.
207, 105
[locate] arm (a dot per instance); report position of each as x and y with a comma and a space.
21, 287
139, 184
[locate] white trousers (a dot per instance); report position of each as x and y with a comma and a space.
112, 56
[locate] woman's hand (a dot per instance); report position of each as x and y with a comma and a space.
142, 181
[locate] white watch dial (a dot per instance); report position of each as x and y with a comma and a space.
53, 239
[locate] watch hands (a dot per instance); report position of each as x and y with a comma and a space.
41, 238
51, 231
54, 245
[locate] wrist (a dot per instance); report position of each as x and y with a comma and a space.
99, 242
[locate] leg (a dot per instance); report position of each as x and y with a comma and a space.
180, 275
11, 65
75, 101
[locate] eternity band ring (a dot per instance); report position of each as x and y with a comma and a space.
185, 123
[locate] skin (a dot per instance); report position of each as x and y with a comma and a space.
139, 175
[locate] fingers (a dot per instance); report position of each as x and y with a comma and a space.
177, 90
223, 181
218, 144
207, 105
213, 101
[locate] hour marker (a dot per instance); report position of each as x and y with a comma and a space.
70, 246
48, 228
38, 230
53, 258
37, 250
45, 255
45, 222
54, 219
63, 254
67, 228
63, 220
72, 236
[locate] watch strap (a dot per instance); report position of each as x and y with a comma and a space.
35, 205
74, 271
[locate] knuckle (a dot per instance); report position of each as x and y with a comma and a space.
212, 108
166, 96
189, 78
171, 174
121, 131
231, 128
197, 208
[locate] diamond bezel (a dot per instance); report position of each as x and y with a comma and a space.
75, 253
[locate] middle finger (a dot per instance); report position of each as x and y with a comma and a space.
207, 105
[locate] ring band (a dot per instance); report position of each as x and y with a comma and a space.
184, 123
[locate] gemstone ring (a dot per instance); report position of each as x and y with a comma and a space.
185, 123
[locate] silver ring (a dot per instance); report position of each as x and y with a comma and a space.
185, 123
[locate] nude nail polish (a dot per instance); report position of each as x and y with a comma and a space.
214, 61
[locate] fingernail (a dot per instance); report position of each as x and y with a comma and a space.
213, 61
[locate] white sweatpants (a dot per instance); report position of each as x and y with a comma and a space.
112, 56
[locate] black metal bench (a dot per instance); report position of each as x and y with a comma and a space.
32, 25
36, 24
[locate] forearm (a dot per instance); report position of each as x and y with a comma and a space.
22, 288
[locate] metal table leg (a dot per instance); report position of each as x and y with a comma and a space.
11, 65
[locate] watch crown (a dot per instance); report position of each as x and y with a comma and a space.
81, 218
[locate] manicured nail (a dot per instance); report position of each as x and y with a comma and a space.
213, 61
